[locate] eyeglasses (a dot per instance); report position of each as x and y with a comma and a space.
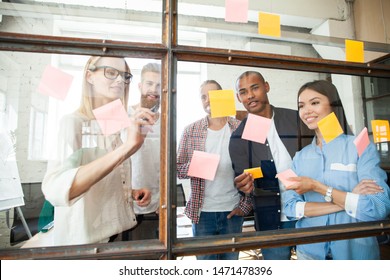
112, 73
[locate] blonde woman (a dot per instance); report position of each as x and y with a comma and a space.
89, 182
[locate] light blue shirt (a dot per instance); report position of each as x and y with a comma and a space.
338, 165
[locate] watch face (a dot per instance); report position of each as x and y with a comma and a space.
328, 195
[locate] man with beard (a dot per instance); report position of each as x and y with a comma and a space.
145, 162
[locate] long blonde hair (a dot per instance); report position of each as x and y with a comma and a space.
86, 97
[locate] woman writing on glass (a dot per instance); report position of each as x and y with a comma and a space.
89, 181
334, 185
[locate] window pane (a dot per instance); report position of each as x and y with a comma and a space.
375, 87
284, 86
131, 20
43, 91
379, 109
316, 32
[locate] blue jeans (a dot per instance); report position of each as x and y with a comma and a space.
279, 253
216, 223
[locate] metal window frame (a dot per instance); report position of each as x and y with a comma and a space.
168, 246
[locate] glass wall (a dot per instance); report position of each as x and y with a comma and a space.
43, 40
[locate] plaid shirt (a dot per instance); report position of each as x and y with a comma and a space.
194, 138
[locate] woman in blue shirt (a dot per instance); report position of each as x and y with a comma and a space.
334, 185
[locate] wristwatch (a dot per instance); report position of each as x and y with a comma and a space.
328, 196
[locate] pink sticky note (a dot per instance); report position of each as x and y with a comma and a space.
111, 117
283, 177
55, 82
256, 128
203, 165
236, 11
361, 141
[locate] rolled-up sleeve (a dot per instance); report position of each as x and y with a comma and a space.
56, 187
293, 205
374, 206
65, 163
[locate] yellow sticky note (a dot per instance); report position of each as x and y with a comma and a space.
354, 51
380, 131
269, 24
256, 172
330, 127
222, 103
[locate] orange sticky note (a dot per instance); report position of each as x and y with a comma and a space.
269, 24
111, 117
330, 127
354, 51
222, 103
203, 165
380, 130
361, 141
256, 128
283, 177
236, 11
55, 83
256, 172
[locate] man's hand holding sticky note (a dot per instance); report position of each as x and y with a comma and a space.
256, 172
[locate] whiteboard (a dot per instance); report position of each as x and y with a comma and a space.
11, 192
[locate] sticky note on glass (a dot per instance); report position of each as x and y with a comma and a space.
203, 165
236, 11
269, 24
256, 128
112, 117
361, 141
256, 172
222, 103
330, 127
284, 177
354, 51
380, 130
55, 83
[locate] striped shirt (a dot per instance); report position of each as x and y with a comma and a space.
194, 139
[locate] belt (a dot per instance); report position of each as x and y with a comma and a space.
262, 192
148, 216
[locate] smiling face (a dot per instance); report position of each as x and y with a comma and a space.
105, 90
150, 89
252, 93
313, 107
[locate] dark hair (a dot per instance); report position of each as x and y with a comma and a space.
249, 73
330, 91
207, 82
